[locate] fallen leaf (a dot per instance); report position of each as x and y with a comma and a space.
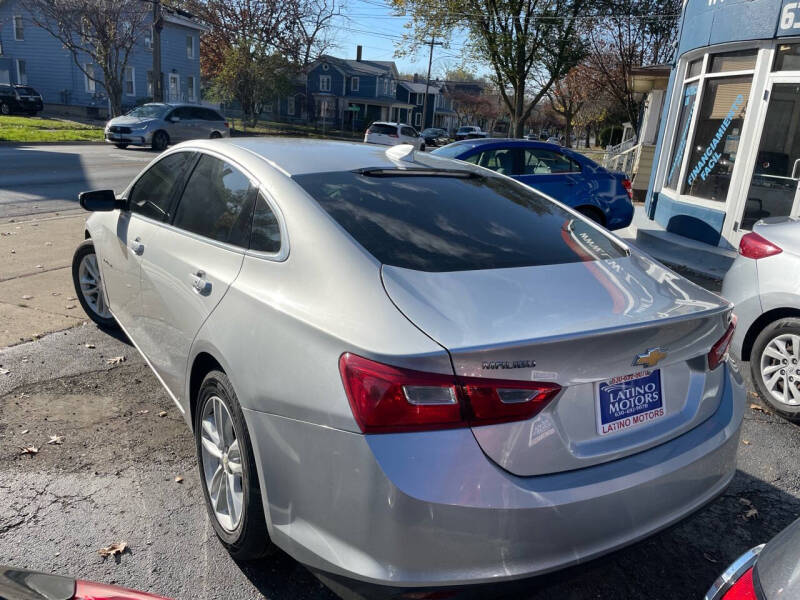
746, 442
4, 371
143, 412
178, 479
71, 298
69, 307
90, 346
163, 413
115, 360
113, 549
758, 407
752, 513
24, 431
29, 450
55, 293
745, 501
710, 558
39, 267
13, 252
56, 439
48, 243
27, 297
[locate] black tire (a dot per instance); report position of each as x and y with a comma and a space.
786, 326
5, 108
85, 249
250, 539
121, 146
215, 135
595, 214
160, 141
422, 148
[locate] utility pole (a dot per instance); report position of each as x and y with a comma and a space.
427, 85
158, 25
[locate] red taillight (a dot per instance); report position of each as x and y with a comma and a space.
743, 589
720, 349
626, 183
390, 399
86, 590
394, 135
754, 246
226, 125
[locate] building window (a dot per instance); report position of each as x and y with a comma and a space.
150, 84
681, 134
787, 57
420, 98
385, 87
394, 88
189, 46
418, 119
148, 38
129, 84
22, 73
19, 28
290, 106
191, 91
354, 84
324, 83
91, 84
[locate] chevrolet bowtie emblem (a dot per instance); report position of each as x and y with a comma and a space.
650, 358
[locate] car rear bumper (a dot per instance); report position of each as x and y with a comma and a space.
429, 509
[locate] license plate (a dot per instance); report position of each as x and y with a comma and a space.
629, 401
114, 137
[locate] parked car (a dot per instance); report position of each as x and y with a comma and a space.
764, 285
393, 134
157, 125
554, 140
408, 370
21, 584
470, 132
765, 572
434, 136
579, 182
19, 99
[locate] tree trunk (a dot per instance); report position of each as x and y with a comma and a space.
517, 121
568, 116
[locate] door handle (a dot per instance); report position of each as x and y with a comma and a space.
200, 284
137, 246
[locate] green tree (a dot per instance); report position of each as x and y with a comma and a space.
527, 44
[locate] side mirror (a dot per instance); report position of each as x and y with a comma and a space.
100, 201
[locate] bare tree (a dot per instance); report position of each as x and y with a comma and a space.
100, 35
316, 17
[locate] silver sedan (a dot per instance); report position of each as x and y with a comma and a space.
411, 371
764, 285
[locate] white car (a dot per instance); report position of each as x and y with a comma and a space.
393, 134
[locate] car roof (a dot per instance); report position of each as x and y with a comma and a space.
300, 156
391, 123
508, 142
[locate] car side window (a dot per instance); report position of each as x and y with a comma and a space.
500, 160
266, 235
183, 113
409, 132
538, 161
152, 194
211, 115
217, 202
196, 113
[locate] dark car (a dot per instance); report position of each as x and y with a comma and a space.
569, 177
20, 584
766, 572
435, 136
19, 99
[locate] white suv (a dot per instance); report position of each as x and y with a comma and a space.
392, 134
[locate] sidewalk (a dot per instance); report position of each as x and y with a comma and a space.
675, 250
36, 291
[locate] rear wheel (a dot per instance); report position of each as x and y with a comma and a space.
89, 286
5, 108
422, 148
590, 212
775, 367
121, 146
160, 141
228, 470
215, 135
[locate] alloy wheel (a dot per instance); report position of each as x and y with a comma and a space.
91, 284
222, 463
780, 368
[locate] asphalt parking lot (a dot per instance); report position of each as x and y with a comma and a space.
121, 467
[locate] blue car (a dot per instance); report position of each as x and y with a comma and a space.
567, 176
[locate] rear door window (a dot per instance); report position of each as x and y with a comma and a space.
383, 129
448, 223
538, 161
152, 194
501, 160
266, 235
217, 202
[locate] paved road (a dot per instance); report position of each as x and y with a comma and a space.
37, 178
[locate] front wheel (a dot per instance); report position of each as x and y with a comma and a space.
5, 108
228, 470
775, 367
121, 146
89, 286
422, 147
160, 141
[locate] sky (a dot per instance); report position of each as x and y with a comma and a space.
373, 25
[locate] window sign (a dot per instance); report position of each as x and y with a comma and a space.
716, 139
682, 127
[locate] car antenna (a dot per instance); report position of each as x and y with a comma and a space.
404, 152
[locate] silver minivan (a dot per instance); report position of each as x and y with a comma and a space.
157, 125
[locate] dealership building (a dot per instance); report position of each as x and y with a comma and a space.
728, 147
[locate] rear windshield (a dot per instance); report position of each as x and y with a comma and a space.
452, 150
443, 223
384, 129
27, 91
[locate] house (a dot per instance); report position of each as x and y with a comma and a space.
351, 94
30, 55
438, 110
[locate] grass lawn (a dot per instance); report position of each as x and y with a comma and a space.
38, 129
292, 129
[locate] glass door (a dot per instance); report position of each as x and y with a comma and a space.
773, 185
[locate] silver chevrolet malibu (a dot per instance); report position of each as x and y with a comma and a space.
411, 371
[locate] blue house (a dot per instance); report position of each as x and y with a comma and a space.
351, 94
30, 55
439, 108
